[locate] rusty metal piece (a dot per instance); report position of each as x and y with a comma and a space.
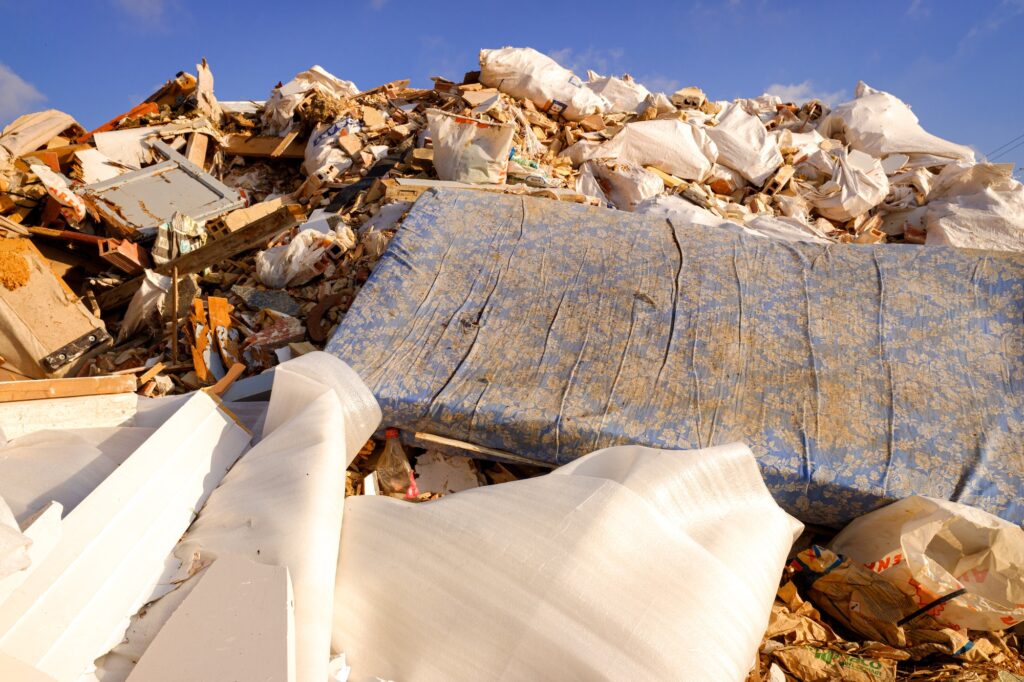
317, 331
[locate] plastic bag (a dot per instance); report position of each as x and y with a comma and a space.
880, 124
469, 149
745, 145
624, 94
672, 146
305, 257
964, 566
525, 73
627, 564
322, 149
858, 184
989, 220
625, 184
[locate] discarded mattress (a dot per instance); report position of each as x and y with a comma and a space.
856, 374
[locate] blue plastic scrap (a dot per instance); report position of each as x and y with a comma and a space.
857, 374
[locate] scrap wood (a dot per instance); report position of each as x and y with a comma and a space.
253, 235
43, 389
263, 146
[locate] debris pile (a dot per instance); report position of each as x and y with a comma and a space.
274, 213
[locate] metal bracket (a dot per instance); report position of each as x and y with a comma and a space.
75, 349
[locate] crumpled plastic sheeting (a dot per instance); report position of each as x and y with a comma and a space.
934, 548
857, 374
745, 145
670, 145
280, 106
281, 504
322, 151
525, 73
880, 124
628, 564
627, 184
858, 184
300, 260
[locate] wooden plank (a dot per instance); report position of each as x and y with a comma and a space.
283, 145
43, 389
196, 149
262, 146
252, 236
150, 373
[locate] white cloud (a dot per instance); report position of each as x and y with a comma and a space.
660, 83
1004, 12
919, 9
604, 61
801, 92
16, 95
150, 10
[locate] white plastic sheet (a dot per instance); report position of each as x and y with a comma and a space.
525, 73
280, 106
879, 124
627, 564
670, 145
468, 149
931, 548
745, 145
303, 258
281, 504
322, 150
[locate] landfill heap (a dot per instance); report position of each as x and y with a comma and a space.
200, 234
174, 442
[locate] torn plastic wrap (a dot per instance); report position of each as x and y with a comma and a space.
624, 95
745, 145
628, 564
857, 374
858, 184
280, 106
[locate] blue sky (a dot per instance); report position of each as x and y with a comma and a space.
960, 65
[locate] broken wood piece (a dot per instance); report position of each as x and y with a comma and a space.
218, 389
669, 179
262, 146
283, 144
196, 149
220, 325
175, 304
252, 236
150, 373
43, 389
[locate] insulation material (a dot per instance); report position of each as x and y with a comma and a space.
469, 149
628, 564
745, 145
670, 145
858, 184
14, 544
281, 504
524, 73
856, 373
879, 124
932, 549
